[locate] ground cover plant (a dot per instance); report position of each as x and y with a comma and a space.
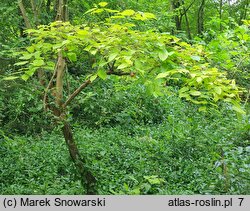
137, 110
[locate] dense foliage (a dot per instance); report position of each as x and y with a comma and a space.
158, 101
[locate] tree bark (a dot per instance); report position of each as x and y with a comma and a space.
243, 11
48, 3
200, 18
187, 24
87, 179
176, 5
35, 11
178, 16
60, 69
62, 10
24, 14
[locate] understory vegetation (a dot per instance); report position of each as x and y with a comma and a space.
142, 103
134, 144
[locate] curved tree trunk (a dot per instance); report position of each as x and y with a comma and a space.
87, 179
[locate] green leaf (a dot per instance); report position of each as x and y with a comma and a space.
202, 109
127, 13
199, 79
26, 56
162, 75
25, 77
103, 4
123, 65
98, 11
21, 63
185, 95
163, 55
112, 56
10, 78
195, 93
94, 51
196, 58
102, 74
93, 77
149, 15
238, 109
184, 89
30, 49
72, 57
38, 62
218, 90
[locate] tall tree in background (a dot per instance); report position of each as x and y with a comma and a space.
244, 9
181, 8
200, 18
220, 13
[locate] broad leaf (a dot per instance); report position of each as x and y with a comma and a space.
102, 74
127, 12
103, 4
38, 62
195, 93
123, 65
72, 57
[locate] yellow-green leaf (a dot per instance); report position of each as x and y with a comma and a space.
30, 49
93, 77
112, 56
196, 58
199, 79
102, 74
123, 65
184, 89
72, 57
218, 90
26, 56
203, 108
127, 13
149, 15
103, 4
195, 93
38, 62
21, 63
163, 55
10, 78
25, 77
238, 109
162, 75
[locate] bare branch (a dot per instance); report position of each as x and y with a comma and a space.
75, 93
118, 73
45, 97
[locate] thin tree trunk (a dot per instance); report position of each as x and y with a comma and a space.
188, 26
65, 11
62, 10
178, 16
35, 12
60, 69
87, 179
220, 13
200, 18
48, 3
24, 14
243, 12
